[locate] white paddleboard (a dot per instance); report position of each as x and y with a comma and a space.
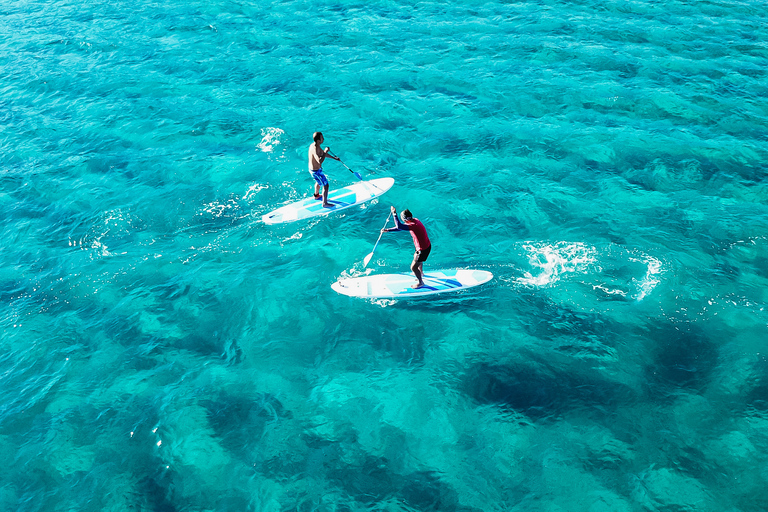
339, 198
396, 286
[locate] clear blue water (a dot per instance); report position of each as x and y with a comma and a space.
162, 349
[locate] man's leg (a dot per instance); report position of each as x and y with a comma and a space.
325, 196
416, 268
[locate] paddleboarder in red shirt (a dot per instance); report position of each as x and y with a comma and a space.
420, 241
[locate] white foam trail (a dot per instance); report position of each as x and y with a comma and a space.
253, 189
113, 223
650, 280
609, 291
217, 209
270, 137
554, 260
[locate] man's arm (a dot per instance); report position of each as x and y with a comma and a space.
399, 226
329, 155
320, 155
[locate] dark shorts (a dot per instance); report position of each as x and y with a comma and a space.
319, 177
423, 254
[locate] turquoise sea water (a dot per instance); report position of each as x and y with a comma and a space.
162, 349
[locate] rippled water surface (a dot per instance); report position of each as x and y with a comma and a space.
163, 349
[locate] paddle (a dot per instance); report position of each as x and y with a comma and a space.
368, 258
356, 174
350, 170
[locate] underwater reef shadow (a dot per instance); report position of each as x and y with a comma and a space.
240, 420
684, 359
542, 392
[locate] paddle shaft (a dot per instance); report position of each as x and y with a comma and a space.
345, 165
368, 258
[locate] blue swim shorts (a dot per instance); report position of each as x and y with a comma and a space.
319, 177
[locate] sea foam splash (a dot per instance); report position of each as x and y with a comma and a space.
650, 280
552, 261
270, 137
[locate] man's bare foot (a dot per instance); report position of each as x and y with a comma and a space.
417, 285
318, 196
327, 205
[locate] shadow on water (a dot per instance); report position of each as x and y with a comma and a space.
756, 397
66, 472
407, 344
170, 323
12, 289
365, 479
542, 392
610, 230
167, 487
576, 332
211, 346
463, 300
403, 344
128, 331
155, 488
240, 420
168, 490
684, 358
372, 481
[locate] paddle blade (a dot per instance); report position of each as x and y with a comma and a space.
367, 260
358, 175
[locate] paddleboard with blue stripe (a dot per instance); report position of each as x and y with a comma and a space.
398, 286
340, 198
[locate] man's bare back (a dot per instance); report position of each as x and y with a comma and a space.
316, 156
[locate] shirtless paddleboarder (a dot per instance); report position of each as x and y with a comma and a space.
316, 156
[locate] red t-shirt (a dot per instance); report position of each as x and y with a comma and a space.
418, 233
